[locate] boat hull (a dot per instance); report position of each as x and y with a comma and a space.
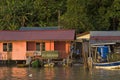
108, 65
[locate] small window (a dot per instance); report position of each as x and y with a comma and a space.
40, 46
4, 46
7, 46
43, 46
37, 46
30, 46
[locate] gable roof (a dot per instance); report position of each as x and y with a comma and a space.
60, 35
85, 35
82, 34
38, 28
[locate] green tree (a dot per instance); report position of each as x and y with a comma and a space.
81, 15
18, 13
114, 15
86, 15
104, 14
76, 17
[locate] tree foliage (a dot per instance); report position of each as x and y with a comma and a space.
86, 15
76, 17
81, 15
23, 13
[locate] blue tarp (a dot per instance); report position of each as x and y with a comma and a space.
103, 51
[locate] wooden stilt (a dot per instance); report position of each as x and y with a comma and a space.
84, 54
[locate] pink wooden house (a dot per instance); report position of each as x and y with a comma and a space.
15, 45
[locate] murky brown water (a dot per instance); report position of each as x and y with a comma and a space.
57, 73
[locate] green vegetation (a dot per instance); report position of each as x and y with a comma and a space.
50, 54
82, 15
36, 63
113, 57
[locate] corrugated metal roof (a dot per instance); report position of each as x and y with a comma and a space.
104, 36
37, 35
38, 28
104, 33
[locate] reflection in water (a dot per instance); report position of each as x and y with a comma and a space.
18, 73
3, 72
66, 73
7, 73
49, 73
57, 73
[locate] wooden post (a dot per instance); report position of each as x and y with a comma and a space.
84, 54
8, 57
67, 61
90, 61
96, 54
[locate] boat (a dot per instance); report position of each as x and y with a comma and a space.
107, 65
105, 59
22, 65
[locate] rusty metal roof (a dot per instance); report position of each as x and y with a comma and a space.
105, 33
37, 35
104, 36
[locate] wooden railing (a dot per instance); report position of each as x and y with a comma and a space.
48, 54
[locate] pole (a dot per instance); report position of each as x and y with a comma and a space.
90, 58
59, 19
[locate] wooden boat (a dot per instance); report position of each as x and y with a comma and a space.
104, 59
49, 65
22, 65
108, 65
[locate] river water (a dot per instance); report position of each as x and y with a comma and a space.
57, 73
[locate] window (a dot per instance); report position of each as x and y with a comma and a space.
37, 46
43, 46
4, 46
31, 46
40, 46
7, 46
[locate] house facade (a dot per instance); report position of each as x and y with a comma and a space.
16, 45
